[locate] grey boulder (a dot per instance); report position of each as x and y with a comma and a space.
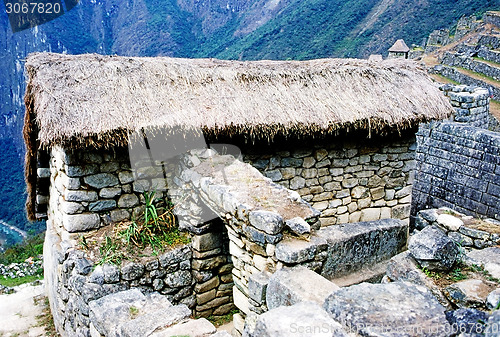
433, 249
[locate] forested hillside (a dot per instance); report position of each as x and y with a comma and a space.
229, 29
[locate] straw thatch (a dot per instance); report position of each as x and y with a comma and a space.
94, 100
399, 47
74, 98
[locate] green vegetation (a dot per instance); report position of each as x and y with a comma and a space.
460, 272
155, 230
221, 320
31, 247
12, 282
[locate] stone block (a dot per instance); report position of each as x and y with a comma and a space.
433, 249
71, 207
289, 286
241, 300
449, 222
370, 214
301, 320
132, 271
353, 246
80, 222
298, 226
469, 293
125, 177
101, 180
269, 222
257, 285
102, 205
294, 251
110, 192
403, 267
208, 285
80, 171
370, 308
206, 242
80, 196
128, 201
194, 328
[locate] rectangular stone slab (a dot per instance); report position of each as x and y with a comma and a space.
351, 247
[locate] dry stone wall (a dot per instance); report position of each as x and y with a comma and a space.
471, 105
458, 166
73, 280
346, 182
467, 62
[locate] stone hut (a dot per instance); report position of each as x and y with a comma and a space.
340, 134
399, 50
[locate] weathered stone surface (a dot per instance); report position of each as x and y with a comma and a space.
467, 320
80, 196
128, 201
80, 222
71, 207
175, 256
433, 249
178, 279
403, 267
289, 286
241, 300
298, 226
449, 222
102, 205
79, 171
354, 246
101, 180
125, 177
301, 319
461, 239
257, 286
109, 312
132, 271
152, 320
393, 309
293, 250
489, 258
111, 273
269, 222
83, 266
429, 215
493, 299
192, 328
206, 242
469, 293
475, 233
110, 192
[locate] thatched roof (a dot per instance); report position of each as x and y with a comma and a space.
399, 47
77, 97
95, 100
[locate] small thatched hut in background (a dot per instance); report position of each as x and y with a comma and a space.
399, 50
340, 132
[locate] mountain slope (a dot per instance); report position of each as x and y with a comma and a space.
325, 28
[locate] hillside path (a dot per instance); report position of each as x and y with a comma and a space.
18, 312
